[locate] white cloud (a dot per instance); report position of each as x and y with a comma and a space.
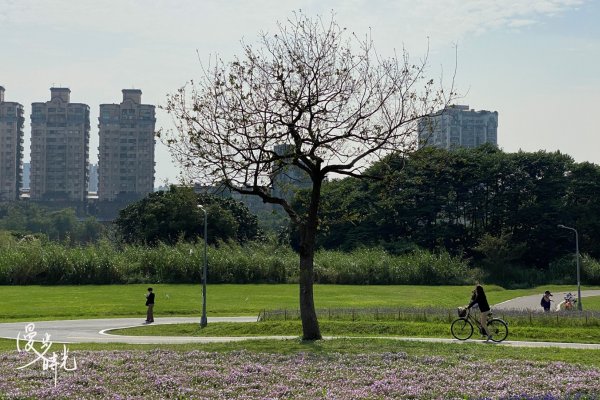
519, 23
170, 19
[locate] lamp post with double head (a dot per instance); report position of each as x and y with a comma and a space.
579, 306
203, 320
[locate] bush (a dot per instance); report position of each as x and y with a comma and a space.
590, 270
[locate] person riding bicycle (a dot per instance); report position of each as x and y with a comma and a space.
570, 301
480, 299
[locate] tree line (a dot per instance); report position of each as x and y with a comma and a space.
28, 220
166, 217
499, 210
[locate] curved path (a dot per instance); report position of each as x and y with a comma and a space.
532, 303
95, 331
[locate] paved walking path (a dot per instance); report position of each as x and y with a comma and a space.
533, 302
95, 331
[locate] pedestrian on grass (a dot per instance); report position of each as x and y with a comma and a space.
150, 305
545, 302
480, 299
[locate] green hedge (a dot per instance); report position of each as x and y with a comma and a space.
37, 262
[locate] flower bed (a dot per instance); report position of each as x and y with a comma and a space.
243, 375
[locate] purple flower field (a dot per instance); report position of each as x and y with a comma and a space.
244, 375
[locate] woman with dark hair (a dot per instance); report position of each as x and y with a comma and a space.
480, 299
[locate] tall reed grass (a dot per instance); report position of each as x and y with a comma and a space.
38, 262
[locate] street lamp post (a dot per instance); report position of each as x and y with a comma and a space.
579, 306
203, 321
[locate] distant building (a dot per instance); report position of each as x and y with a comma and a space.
93, 174
253, 202
458, 126
287, 178
60, 135
11, 148
26, 169
126, 152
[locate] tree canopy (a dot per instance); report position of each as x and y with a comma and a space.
169, 216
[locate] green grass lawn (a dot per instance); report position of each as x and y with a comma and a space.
579, 334
30, 303
591, 303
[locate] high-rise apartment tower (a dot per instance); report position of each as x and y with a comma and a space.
287, 178
11, 148
458, 126
126, 152
93, 183
60, 135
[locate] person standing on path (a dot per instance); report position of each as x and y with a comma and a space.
545, 302
150, 305
480, 299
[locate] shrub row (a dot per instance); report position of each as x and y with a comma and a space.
36, 262
375, 266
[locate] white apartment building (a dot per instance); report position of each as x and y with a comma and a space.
60, 135
126, 152
11, 148
459, 126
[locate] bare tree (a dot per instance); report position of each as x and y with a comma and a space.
320, 90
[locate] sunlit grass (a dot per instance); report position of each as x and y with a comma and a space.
591, 303
362, 328
105, 301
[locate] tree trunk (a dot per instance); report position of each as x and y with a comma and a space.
308, 233
308, 314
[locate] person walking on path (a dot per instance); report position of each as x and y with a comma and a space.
150, 305
480, 299
545, 302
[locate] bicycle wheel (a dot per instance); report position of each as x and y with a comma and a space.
498, 329
461, 329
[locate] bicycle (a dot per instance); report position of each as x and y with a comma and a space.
570, 301
462, 327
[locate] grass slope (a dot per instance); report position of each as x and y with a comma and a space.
32, 303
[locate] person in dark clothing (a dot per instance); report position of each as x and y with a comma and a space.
545, 302
150, 305
480, 299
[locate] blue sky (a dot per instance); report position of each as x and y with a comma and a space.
536, 62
